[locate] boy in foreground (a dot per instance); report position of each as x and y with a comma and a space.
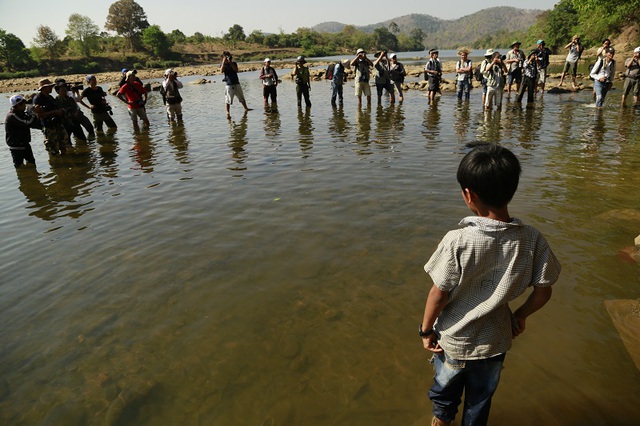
476, 271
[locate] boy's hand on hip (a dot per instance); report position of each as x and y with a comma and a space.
430, 343
518, 326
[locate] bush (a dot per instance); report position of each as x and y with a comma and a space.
19, 74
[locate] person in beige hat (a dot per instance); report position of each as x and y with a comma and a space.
632, 77
515, 59
50, 115
269, 78
362, 65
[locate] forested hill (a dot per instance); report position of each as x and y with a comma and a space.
482, 27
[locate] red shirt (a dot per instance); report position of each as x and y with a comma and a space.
133, 92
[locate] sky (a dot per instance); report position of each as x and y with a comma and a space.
215, 17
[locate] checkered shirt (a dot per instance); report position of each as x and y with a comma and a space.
485, 265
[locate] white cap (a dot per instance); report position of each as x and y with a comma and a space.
359, 51
636, 50
16, 99
168, 72
393, 55
267, 60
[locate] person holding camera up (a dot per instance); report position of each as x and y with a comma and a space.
50, 115
433, 71
571, 64
529, 79
233, 89
543, 53
514, 61
362, 65
632, 77
171, 96
382, 79
100, 109
495, 73
303, 81
134, 95
17, 131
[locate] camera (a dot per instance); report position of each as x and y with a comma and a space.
75, 86
108, 109
227, 55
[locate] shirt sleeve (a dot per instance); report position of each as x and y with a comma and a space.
546, 268
444, 266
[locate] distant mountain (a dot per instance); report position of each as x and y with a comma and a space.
454, 32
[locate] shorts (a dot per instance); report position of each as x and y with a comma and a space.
232, 91
434, 84
134, 113
380, 87
515, 76
363, 88
573, 66
631, 85
542, 75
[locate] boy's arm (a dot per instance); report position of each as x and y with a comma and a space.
536, 300
436, 301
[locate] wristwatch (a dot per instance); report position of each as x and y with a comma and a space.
424, 333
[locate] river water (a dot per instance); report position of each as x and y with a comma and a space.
267, 270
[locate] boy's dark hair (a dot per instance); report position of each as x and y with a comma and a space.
491, 172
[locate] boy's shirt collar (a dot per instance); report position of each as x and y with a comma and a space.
487, 224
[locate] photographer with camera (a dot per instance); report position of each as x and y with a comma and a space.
100, 109
433, 71
134, 95
303, 81
494, 72
269, 79
632, 77
233, 89
362, 66
571, 63
544, 54
382, 78
17, 131
50, 115
603, 73
71, 117
171, 95
529, 79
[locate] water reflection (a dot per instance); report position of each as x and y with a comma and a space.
490, 126
431, 121
237, 143
363, 129
36, 193
180, 143
143, 150
338, 124
305, 131
462, 117
108, 154
272, 122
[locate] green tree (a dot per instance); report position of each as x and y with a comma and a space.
384, 40
13, 53
256, 37
177, 36
127, 18
83, 32
394, 28
157, 41
49, 41
235, 34
557, 24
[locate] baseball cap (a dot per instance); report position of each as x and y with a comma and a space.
636, 50
16, 99
540, 41
361, 50
124, 70
393, 55
267, 60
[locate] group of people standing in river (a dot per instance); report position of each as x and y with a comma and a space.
60, 117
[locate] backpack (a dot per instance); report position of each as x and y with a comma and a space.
329, 74
477, 74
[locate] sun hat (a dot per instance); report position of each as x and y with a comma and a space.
361, 50
300, 60
129, 74
168, 72
267, 60
346, 63
16, 100
432, 51
45, 82
514, 43
463, 50
489, 52
636, 50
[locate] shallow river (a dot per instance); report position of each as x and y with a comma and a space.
267, 270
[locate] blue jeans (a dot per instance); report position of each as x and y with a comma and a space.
463, 86
601, 91
478, 379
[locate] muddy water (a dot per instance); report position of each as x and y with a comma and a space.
267, 270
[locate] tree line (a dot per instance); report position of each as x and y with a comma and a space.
592, 19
